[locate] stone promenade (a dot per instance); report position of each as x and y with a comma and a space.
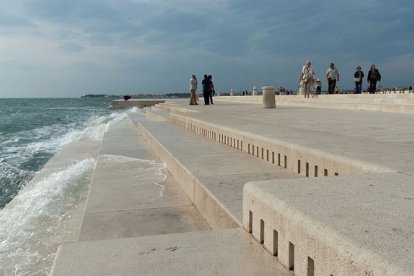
330, 192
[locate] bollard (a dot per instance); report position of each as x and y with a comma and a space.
269, 99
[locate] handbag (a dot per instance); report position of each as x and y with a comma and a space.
357, 79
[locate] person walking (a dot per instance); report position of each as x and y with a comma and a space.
206, 89
332, 75
373, 76
358, 77
193, 89
307, 78
212, 91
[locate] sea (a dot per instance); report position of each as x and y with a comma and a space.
37, 205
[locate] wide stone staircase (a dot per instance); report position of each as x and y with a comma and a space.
188, 222
318, 199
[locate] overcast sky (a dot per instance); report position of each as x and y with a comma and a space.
66, 48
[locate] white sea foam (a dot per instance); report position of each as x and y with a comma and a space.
123, 159
135, 110
31, 225
51, 139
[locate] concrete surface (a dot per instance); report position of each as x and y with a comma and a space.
200, 164
355, 223
388, 102
123, 206
139, 103
348, 225
224, 252
131, 195
377, 143
371, 138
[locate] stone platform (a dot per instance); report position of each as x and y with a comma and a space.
382, 102
138, 103
335, 185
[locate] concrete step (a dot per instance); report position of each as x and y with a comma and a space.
353, 225
224, 252
302, 160
155, 113
342, 142
399, 103
131, 195
138, 103
356, 224
211, 174
133, 226
307, 212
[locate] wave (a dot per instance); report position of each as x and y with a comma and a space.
26, 152
44, 209
31, 226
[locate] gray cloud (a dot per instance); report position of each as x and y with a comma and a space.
71, 47
155, 45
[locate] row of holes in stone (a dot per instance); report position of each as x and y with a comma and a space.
251, 149
291, 260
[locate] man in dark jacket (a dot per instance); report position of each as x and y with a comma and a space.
206, 89
373, 76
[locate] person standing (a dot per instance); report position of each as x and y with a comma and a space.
206, 89
358, 77
193, 89
212, 91
332, 75
307, 78
373, 76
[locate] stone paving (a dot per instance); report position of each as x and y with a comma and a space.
203, 171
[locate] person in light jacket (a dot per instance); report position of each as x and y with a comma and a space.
193, 89
332, 75
307, 78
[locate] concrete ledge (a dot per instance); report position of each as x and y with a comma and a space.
217, 216
122, 104
298, 159
130, 195
356, 225
399, 103
154, 116
212, 175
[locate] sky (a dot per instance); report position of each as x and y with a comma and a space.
67, 48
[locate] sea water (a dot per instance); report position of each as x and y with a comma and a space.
36, 206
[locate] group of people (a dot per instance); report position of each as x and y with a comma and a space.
308, 79
208, 89
373, 77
